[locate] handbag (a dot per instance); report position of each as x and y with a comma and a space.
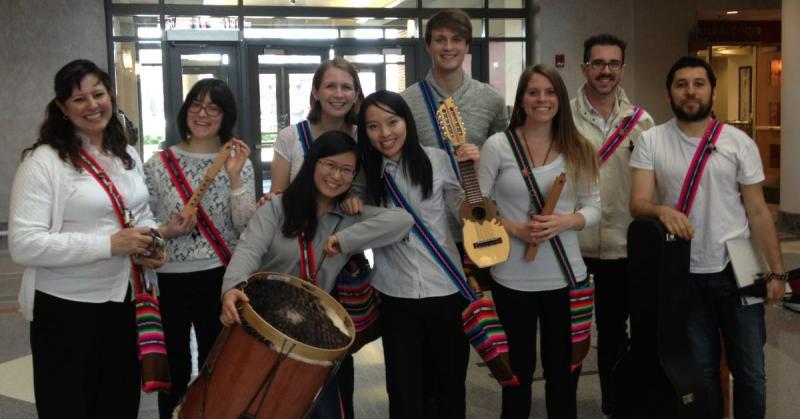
356, 294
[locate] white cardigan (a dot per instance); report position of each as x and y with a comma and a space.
38, 198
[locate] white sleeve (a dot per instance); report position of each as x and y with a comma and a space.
285, 144
749, 170
642, 157
489, 165
589, 205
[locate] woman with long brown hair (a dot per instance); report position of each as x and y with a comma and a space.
526, 160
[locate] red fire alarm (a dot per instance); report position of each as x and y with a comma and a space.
559, 60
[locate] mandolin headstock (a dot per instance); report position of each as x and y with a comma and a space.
450, 122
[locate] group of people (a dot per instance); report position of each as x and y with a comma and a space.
334, 197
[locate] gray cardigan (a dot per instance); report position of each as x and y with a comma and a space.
263, 247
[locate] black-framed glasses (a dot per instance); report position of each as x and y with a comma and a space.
599, 65
211, 109
329, 167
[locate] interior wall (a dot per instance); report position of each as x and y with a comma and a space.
39, 37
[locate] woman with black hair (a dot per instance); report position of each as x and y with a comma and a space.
191, 280
308, 214
78, 212
424, 345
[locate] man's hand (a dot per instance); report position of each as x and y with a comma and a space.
676, 222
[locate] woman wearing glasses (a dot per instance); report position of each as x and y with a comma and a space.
308, 214
191, 280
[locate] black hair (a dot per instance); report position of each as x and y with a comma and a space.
602, 39
300, 198
415, 162
693, 62
58, 131
221, 95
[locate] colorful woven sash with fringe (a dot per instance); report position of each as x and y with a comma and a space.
581, 294
480, 321
151, 342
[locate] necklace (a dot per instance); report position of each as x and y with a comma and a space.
528, 150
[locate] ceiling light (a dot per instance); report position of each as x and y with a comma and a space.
732, 12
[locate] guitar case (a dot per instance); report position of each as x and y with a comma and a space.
657, 377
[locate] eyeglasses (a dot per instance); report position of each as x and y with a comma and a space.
329, 167
599, 65
211, 109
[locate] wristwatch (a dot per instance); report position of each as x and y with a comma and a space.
780, 276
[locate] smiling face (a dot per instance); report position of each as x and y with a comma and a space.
386, 131
336, 93
447, 50
333, 175
203, 118
603, 81
540, 101
89, 107
691, 95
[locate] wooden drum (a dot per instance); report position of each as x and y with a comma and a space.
292, 337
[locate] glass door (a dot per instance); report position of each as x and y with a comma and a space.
190, 62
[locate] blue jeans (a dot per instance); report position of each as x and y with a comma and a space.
744, 334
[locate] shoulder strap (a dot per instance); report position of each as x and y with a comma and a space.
537, 203
304, 135
692, 181
430, 104
118, 203
204, 221
451, 269
620, 134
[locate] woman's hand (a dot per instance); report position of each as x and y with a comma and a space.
235, 161
265, 198
545, 227
230, 315
130, 241
522, 231
178, 226
151, 263
352, 205
332, 247
468, 151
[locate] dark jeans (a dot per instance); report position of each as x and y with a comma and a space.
85, 359
744, 335
336, 399
612, 311
187, 299
521, 313
426, 355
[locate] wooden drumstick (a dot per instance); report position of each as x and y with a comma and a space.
549, 207
197, 196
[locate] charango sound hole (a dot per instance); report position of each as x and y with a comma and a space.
478, 213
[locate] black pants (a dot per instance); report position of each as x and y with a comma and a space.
612, 310
187, 299
85, 360
521, 313
426, 355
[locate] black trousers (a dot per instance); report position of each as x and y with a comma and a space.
521, 313
85, 359
426, 355
612, 311
187, 299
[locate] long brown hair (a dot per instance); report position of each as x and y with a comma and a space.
581, 158
315, 113
58, 132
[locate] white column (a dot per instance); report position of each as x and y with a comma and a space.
790, 109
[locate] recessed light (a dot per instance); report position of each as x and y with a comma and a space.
732, 12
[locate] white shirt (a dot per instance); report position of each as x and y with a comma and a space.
718, 213
407, 269
288, 146
501, 179
60, 228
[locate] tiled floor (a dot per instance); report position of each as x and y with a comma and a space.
483, 395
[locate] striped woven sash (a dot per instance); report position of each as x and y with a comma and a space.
620, 134
430, 106
204, 222
705, 147
304, 135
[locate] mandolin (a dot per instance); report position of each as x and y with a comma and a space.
485, 239
191, 206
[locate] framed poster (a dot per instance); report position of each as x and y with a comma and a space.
745, 90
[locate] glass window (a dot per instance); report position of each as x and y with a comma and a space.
140, 26
205, 2
201, 22
506, 63
505, 4
506, 28
324, 28
463, 4
134, 1
380, 4
477, 27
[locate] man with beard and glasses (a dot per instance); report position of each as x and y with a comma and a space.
729, 204
604, 116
